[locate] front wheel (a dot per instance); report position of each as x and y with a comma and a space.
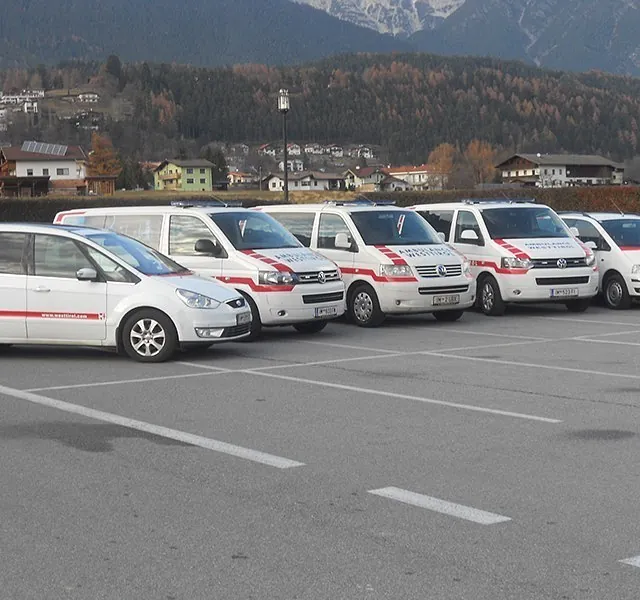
616, 295
578, 306
448, 316
490, 298
364, 307
149, 336
255, 332
311, 327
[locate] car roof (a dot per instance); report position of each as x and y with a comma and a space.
497, 203
331, 206
601, 216
70, 230
154, 210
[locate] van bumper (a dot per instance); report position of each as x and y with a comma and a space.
424, 297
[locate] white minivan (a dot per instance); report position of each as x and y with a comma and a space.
283, 282
86, 287
519, 251
392, 261
615, 238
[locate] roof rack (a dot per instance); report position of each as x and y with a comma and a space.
503, 200
214, 202
361, 202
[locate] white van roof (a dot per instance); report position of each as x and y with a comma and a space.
155, 210
351, 208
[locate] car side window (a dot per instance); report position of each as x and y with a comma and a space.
588, 233
144, 228
184, 232
11, 253
440, 220
330, 226
467, 221
112, 270
58, 257
299, 224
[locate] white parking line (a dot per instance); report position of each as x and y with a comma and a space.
345, 346
172, 434
589, 321
609, 342
362, 390
440, 506
634, 561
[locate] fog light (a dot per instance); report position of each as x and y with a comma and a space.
397, 302
517, 292
208, 332
282, 313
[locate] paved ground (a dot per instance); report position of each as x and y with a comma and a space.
490, 459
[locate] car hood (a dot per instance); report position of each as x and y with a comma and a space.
207, 287
421, 254
544, 247
297, 260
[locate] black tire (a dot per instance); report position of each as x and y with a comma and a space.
578, 306
310, 327
149, 322
4, 347
489, 297
364, 307
615, 293
448, 316
256, 323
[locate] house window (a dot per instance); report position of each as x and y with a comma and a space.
553, 171
29, 172
189, 171
203, 181
201, 171
190, 180
546, 171
315, 184
45, 172
64, 171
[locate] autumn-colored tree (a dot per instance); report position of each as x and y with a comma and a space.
103, 159
480, 157
442, 158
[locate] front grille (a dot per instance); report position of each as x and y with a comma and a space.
237, 303
312, 276
319, 298
432, 271
236, 330
552, 263
454, 289
561, 280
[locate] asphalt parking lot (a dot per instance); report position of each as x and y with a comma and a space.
492, 458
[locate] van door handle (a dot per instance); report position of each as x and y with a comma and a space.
41, 289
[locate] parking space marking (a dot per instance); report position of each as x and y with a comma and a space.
346, 346
440, 506
362, 390
634, 561
609, 342
173, 434
588, 321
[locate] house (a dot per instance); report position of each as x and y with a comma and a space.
293, 165
25, 169
336, 151
393, 184
89, 97
294, 149
560, 170
313, 148
365, 179
22, 97
305, 181
422, 177
240, 178
362, 152
188, 175
30, 107
267, 150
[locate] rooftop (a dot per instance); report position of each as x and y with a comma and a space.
591, 160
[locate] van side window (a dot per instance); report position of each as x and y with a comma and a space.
58, 257
330, 226
300, 224
184, 232
11, 247
144, 228
467, 220
440, 220
589, 233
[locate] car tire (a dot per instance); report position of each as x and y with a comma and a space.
615, 293
149, 336
4, 347
364, 307
448, 316
489, 297
255, 333
578, 306
310, 327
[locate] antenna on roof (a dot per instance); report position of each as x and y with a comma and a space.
617, 207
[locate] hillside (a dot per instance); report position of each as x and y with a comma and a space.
407, 103
199, 32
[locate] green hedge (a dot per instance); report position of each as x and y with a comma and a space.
626, 199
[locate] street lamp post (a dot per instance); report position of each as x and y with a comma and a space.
283, 107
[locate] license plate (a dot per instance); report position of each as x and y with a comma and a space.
564, 293
445, 300
243, 318
326, 311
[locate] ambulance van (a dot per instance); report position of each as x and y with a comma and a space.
392, 261
283, 282
519, 251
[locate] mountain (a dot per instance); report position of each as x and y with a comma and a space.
199, 32
398, 17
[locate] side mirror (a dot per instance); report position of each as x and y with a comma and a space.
342, 241
574, 231
591, 244
206, 246
87, 274
443, 236
469, 235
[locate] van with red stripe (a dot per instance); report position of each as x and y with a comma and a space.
283, 282
519, 251
391, 260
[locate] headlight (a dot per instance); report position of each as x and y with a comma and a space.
277, 278
396, 270
195, 300
635, 270
511, 262
590, 260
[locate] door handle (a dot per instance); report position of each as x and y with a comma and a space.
41, 289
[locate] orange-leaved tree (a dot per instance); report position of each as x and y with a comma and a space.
480, 156
442, 158
103, 159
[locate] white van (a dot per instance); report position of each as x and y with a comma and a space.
615, 238
283, 282
519, 251
391, 260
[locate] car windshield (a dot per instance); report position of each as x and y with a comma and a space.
142, 258
394, 228
254, 231
625, 232
524, 222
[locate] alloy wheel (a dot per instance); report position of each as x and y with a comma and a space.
488, 296
147, 337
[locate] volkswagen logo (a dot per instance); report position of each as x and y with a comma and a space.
562, 263
441, 270
322, 278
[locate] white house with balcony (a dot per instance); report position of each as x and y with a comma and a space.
305, 181
422, 177
294, 165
